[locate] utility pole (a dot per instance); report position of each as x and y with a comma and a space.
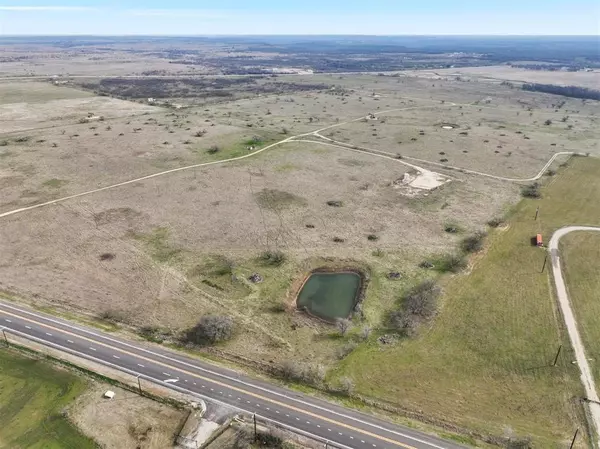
545, 260
557, 354
5, 339
537, 211
139, 384
255, 433
574, 438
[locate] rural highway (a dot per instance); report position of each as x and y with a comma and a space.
587, 378
340, 427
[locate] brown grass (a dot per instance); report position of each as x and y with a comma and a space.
127, 421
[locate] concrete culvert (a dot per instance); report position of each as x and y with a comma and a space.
449, 126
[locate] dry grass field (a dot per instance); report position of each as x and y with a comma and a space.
500, 142
164, 234
32, 92
36, 105
580, 78
49, 60
161, 252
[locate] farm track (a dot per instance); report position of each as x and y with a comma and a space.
587, 379
296, 138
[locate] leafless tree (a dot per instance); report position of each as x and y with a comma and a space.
343, 325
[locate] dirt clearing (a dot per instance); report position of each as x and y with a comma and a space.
128, 421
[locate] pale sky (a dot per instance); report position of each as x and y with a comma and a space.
377, 17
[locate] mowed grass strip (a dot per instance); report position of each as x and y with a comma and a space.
580, 253
32, 397
484, 362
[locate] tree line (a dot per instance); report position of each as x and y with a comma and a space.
566, 91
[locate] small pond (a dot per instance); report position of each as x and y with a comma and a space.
330, 295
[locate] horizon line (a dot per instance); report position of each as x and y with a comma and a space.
299, 35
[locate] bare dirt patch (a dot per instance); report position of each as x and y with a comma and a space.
127, 421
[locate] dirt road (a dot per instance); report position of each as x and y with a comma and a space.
587, 379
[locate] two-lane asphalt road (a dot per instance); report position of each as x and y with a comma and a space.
342, 427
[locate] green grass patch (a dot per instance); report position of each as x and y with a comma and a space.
484, 363
215, 265
236, 149
580, 254
218, 272
157, 243
448, 263
286, 168
276, 200
32, 398
54, 183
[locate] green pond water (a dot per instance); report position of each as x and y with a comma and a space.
330, 295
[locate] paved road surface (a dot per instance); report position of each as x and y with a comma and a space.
344, 428
587, 379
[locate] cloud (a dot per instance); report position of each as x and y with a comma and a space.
45, 8
197, 13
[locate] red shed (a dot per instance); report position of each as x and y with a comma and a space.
538, 240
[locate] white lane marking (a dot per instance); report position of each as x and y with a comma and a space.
277, 411
351, 437
7, 320
27, 327
297, 419
49, 334
69, 341
222, 376
362, 441
258, 405
340, 433
194, 383
307, 422
185, 380
238, 399
116, 356
167, 374
329, 430
268, 408
287, 415
318, 426
140, 365
212, 389
172, 386
93, 349
170, 381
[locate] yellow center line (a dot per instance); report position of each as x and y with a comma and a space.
216, 382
